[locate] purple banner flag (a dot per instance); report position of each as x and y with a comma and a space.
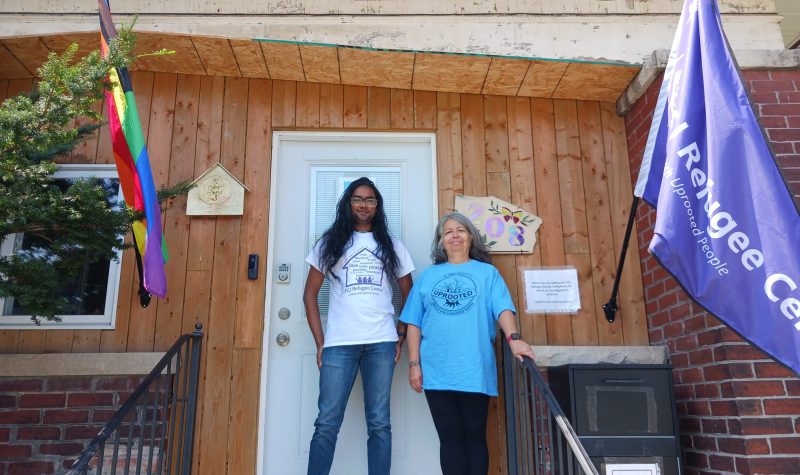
726, 228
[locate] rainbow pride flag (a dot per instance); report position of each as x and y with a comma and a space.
133, 165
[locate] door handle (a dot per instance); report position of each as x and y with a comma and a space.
282, 339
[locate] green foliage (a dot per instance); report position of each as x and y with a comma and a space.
65, 226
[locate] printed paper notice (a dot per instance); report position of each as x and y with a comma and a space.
552, 291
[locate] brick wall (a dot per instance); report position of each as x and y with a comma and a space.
739, 411
46, 422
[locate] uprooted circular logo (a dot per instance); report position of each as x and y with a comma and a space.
454, 294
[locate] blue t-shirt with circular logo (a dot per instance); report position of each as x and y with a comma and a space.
456, 307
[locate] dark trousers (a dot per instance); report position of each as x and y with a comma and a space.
460, 420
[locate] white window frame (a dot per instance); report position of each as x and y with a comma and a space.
107, 320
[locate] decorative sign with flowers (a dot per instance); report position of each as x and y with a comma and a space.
503, 226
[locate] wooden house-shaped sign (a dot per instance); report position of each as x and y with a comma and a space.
216, 193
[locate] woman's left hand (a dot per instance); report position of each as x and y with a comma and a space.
519, 349
415, 378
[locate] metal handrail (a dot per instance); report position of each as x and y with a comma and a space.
167, 399
535, 444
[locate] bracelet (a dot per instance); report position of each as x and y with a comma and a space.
401, 334
413, 363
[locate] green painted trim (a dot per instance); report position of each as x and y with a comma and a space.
478, 55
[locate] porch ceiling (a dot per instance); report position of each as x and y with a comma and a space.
478, 74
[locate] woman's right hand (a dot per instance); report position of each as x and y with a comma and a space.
415, 378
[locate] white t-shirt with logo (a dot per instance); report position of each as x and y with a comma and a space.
360, 309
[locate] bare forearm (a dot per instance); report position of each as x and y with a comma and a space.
314, 321
507, 321
402, 328
414, 368
405, 284
414, 337
310, 296
519, 348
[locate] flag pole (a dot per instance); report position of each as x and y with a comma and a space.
133, 166
610, 308
144, 295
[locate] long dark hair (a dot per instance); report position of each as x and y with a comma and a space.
338, 236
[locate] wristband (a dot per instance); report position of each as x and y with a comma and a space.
413, 363
513, 336
401, 334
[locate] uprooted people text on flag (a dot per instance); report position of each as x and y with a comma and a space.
133, 164
727, 228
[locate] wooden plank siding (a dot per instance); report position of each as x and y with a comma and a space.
563, 160
523, 194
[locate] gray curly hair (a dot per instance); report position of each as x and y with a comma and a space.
477, 248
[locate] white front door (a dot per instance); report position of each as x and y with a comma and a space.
310, 171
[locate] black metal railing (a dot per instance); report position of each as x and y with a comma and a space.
540, 438
153, 431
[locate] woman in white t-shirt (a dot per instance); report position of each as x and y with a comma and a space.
359, 258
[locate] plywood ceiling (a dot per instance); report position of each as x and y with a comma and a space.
19, 58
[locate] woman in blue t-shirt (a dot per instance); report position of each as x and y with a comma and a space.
451, 314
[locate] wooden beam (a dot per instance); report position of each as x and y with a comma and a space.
402, 109
594, 82
376, 68
169, 316
548, 201
217, 56
473, 143
29, 52
320, 63
378, 105
505, 76
284, 99
19, 57
355, 107
631, 295
570, 175
331, 105
542, 78
283, 61
87, 42
424, 110
307, 112
450, 173
253, 239
450, 73
250, 58
185, 60
523, 194
598, 217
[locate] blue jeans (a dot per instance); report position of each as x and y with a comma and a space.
336, 377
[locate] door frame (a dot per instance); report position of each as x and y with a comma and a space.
278, 137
